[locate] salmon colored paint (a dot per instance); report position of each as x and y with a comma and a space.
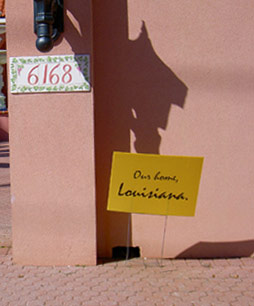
175, 78
52, 151
170, 77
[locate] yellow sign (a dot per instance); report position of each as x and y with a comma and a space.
154, 184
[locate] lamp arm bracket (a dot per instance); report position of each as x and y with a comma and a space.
48, 22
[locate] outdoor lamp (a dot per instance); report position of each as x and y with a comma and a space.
48, 22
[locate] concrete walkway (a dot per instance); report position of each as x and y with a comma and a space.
135, 282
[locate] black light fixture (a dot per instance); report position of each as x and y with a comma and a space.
48, 22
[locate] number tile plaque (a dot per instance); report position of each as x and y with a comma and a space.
57, 73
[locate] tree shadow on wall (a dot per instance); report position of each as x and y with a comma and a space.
134, 91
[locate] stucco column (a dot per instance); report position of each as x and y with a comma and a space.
52, 151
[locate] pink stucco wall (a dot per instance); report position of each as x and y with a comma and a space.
52, 151
175, 78
170, 77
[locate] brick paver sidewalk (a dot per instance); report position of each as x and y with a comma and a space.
139, 282
135, 282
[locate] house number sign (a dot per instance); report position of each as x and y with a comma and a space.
57, 73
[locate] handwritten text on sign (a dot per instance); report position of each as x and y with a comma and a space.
50, 73
154, 184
